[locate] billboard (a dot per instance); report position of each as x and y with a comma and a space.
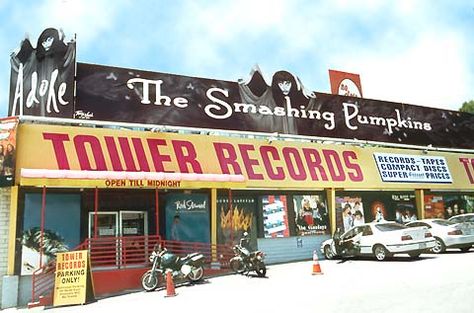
345, 84
42, 78
283, 106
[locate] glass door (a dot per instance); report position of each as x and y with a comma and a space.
104, 248
107, 224
133, 231
133, 223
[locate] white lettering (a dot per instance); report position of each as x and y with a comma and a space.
46, 88
226, 108
349, 116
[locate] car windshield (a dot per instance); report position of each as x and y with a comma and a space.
390, 227
462, 218
443, 222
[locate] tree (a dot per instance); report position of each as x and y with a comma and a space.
468, 107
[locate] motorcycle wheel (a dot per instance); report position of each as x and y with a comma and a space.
150, 281
196, 274
260, 269
328, 253
237, 265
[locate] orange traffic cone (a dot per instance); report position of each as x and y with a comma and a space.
316, 266
170, 292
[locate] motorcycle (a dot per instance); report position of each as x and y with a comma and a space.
246, 261
337, 247
189, 267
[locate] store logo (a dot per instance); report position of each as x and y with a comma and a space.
83, 115
348, 88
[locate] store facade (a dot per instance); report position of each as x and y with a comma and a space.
290, 190
134, 151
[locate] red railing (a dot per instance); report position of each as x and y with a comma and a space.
109, 253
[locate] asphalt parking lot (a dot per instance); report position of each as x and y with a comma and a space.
433, 283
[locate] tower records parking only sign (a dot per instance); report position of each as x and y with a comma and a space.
73, 279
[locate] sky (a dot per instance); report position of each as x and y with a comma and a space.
410, 51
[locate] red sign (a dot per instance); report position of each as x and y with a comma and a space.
345, 84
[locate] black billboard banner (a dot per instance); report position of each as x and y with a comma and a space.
286, 107
42, 78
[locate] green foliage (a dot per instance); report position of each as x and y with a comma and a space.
468, 107
52, 242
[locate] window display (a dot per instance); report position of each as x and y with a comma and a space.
275, 216
311, 215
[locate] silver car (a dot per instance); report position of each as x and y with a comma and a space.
448, 234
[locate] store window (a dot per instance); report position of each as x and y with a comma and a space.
187, 217
61, 228
311, 215
446, 205
275, 216
355, 208
235, 220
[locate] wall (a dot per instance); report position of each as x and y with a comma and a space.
279, 250
4, 225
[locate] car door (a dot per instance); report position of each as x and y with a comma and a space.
366, 239
355, 232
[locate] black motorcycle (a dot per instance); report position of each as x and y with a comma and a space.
345, 248
189, 267
245, 261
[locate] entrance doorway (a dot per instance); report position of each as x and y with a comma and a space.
119, 224
120, 238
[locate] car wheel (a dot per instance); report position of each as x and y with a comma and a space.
439, 246
414, 255
465, 249
328, 253
380, 253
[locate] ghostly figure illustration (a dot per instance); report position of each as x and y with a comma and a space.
42, 78
279, 105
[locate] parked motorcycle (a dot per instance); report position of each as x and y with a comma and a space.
341, 248
189, 267
246, 261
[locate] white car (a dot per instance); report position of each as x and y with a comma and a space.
448, 234
384, 239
